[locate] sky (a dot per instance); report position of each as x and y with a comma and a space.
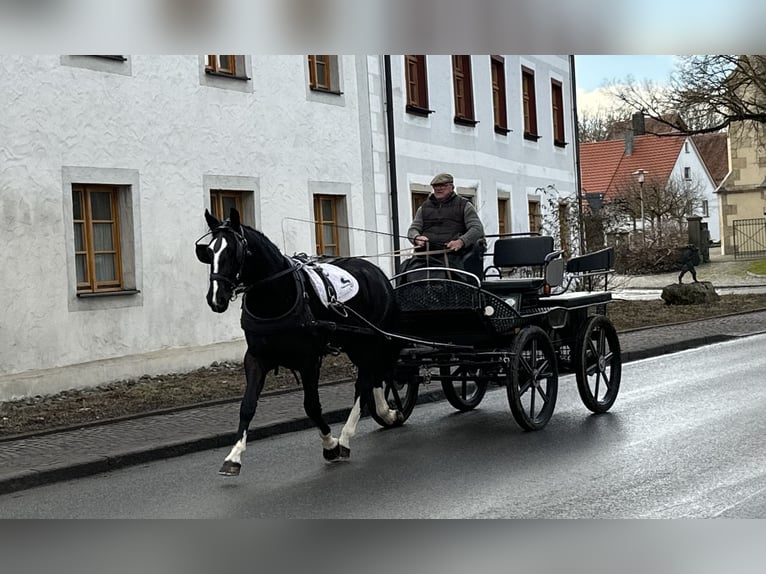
593, 72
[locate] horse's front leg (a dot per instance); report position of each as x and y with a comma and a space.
313, 408
255, 374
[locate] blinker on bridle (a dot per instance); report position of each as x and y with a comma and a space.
205, 255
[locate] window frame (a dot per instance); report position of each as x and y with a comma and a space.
462, 90
237, 69
92, 285
332, 74
216, 202
503, 222
416, 80
529, 103
535, 215
320, 241
557, 107
499, 94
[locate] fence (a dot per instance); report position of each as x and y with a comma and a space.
749, 238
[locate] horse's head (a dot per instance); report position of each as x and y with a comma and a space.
225, 253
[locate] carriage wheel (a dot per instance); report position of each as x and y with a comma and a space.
462, 388
401, 393
598, 364
533, 379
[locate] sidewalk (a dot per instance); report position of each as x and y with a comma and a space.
45, 458
723, 271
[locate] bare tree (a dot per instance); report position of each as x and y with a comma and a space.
709, 92
660, 203
594, 126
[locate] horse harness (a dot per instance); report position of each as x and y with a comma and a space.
299, 315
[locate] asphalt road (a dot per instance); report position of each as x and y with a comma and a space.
684, 440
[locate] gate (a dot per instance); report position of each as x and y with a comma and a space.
749, 237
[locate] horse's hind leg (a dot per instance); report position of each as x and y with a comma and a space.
313, 408
364, 381
255, 374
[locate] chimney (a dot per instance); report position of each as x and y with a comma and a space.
639, 128
628, 141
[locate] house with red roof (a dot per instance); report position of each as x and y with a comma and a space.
609, 168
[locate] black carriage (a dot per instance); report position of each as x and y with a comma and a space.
519, 323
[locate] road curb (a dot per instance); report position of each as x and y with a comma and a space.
666, 349
34, 477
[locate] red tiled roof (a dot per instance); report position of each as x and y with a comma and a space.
605, 168
712, 148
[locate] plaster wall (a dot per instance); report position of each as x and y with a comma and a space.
699, 178
479, 158
157, 128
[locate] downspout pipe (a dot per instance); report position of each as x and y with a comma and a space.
578, 181
392, 161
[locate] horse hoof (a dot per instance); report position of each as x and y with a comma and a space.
345, 452
331, 454
230, 468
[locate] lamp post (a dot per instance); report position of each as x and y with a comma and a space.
639, 173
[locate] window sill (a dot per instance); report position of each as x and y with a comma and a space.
223, 75
88, 295
326, 91
502, 131
531, 137
560, 143
113, 58
465, 121
418, 111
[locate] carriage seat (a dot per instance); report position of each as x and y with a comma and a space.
532, 255
590, 266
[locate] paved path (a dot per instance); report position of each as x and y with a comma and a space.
43, 458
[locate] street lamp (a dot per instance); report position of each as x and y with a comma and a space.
639, 173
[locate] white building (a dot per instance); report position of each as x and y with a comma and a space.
108, 162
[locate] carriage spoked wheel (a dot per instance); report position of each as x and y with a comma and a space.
598, 364
462, 387
533, 379
401, 393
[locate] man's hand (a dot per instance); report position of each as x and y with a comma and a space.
455, 245
421, 240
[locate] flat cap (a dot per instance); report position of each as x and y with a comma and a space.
441, 178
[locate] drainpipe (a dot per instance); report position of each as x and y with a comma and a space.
578, 182
392, 161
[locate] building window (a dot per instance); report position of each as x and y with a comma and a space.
324, 74
687, 173
226, 65
418, 199
498, 94
535, 217
557, 101
530, 104
463, 90
502, 216
686, 147
319, 73
222, 200
417, 85
96, 238
326, 216
705, 208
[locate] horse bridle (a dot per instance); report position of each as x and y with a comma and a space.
203, 254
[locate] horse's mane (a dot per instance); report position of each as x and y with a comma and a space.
270, 258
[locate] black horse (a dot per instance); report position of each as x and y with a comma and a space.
287, 324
